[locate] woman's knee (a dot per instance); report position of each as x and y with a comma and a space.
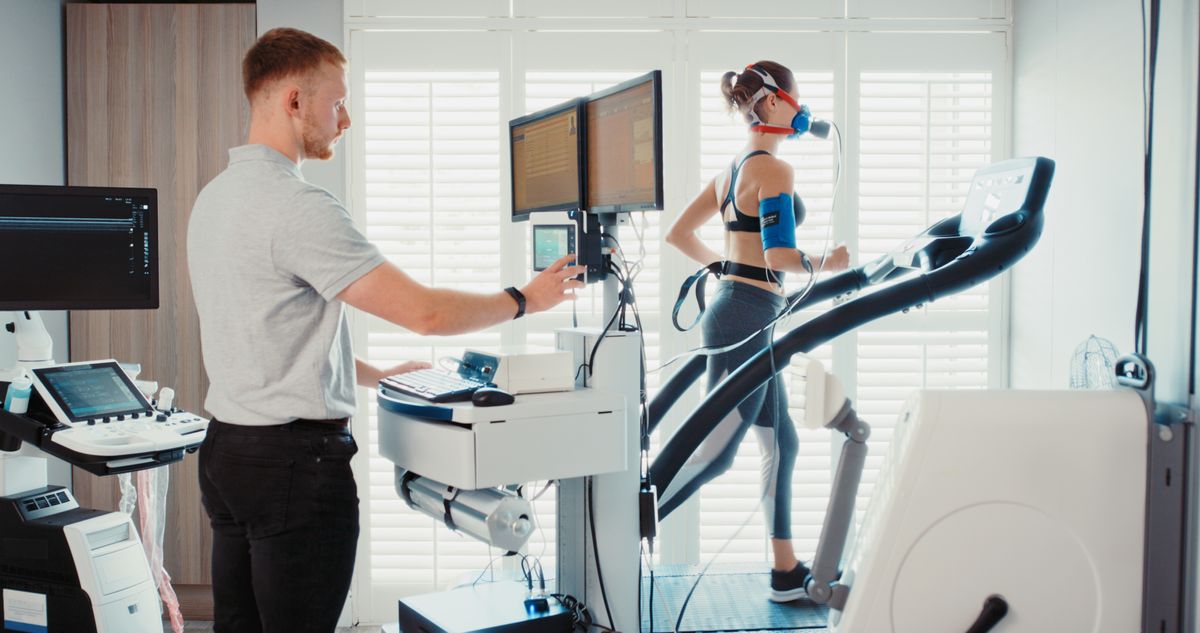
724, 461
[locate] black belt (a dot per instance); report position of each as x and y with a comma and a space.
338, 422
718, 269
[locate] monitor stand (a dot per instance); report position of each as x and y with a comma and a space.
35, 348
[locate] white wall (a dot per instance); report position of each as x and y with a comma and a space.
323, 18
1172, 202
33, 149
1077, 100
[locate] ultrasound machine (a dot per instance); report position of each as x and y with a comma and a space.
66, 567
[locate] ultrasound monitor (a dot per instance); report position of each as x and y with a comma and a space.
78, 248
78, 392
547, 173
624, 146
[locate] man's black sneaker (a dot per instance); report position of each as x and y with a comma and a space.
789, 585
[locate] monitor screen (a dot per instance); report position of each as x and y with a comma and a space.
546, 170
91, 390
78, 248
552, 242
624, 146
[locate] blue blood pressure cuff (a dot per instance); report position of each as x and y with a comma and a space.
777, 218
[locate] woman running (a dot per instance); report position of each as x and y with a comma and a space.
760, 212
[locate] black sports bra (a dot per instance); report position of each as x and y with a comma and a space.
749, 223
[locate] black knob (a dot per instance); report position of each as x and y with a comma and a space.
994, 610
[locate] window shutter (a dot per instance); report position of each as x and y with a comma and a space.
432, 203
923, 135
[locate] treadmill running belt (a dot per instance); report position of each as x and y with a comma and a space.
730, 598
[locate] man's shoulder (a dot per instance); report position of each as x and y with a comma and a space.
266, 190
309, 195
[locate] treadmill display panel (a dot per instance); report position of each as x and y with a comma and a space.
994, 193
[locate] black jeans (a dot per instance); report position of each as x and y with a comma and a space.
284, 511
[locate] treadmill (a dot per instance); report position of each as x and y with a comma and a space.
1001, 221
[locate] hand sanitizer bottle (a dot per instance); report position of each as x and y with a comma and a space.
16, 400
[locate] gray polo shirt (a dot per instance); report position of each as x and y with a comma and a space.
268, 253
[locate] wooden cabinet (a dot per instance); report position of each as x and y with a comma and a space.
154, 99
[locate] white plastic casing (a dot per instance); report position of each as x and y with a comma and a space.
114, 572
1036, 496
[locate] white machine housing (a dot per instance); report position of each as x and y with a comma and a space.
107, 557
570, 436
113, 571
540, 436
824, 396
531, 370
1036, 496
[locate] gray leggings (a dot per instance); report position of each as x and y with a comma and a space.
736, 311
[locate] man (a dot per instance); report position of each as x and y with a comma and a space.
273, 262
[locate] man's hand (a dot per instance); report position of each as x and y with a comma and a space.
370, 375
404, 368
552, 286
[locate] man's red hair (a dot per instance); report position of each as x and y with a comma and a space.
285, 52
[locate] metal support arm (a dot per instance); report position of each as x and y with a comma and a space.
823, 586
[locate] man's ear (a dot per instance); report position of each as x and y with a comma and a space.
291, 97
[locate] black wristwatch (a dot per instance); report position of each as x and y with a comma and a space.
519, 298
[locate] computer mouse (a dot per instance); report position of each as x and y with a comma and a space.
491, 397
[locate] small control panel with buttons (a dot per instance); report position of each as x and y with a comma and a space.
151, 430
45, 502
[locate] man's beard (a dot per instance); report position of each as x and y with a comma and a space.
314, 145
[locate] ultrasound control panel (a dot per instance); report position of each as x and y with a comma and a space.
92, 415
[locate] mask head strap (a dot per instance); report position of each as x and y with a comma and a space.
769, 87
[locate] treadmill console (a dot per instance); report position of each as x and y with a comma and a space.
996, 191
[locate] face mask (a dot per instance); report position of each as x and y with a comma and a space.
798, 125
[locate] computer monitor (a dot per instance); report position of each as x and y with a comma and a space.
547, 174
78, 248
624, 146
